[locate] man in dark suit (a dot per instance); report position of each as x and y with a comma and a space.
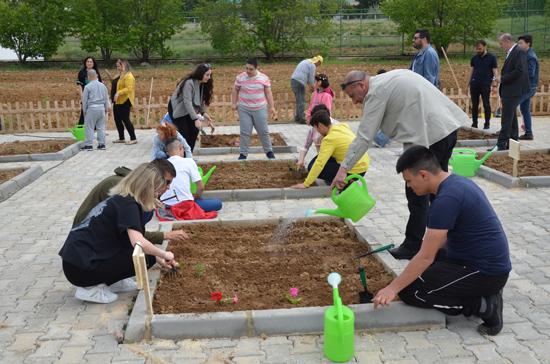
514, 82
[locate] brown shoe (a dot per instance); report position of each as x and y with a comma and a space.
121, 141
526, 137
131, 142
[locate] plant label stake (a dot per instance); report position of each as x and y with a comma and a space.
514, 153
142, 280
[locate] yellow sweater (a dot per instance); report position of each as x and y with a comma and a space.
126, 88
335, 144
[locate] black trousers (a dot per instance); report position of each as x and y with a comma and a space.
451, 288
419, 205
485, 92
186, 127
81, 118
330, 170
508, 121
121, 114
119, 267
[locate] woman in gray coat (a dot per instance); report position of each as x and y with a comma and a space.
187, 103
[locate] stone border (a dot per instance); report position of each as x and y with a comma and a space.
255, 194
476, 142
251, 150
63, 154
10, 187
300, 320
508, 181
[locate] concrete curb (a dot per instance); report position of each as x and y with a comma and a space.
300, 320
476, 143
63, 154
508, 181
10, 187
251, 150
255, 194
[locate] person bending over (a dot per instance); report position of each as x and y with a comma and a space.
334, 146
97, 255
470, 279
179, 200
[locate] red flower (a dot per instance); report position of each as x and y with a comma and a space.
216, 296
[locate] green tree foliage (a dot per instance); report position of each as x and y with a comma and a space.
267, 26
447, 21
153, 23
101, 24
33, 28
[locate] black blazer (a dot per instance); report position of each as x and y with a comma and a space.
514, 76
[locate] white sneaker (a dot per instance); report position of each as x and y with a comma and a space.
97, 294
125, 285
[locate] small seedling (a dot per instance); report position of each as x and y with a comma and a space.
199, 270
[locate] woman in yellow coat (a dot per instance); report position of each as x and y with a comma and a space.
124, 99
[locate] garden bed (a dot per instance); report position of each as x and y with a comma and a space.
7, 174
533, 169
289, 254
38, 150
229, 143
14, 179
473, 137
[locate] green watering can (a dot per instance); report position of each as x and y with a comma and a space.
353, 203
204, 177
339, 326
78, 132
464, 161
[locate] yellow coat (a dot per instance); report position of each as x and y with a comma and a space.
126, 89
335, 144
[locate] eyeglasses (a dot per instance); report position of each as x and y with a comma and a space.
346, 84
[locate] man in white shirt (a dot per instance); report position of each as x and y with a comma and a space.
186, 172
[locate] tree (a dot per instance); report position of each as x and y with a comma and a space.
447, 21
101, 24
154, 22
268, 26
33, 28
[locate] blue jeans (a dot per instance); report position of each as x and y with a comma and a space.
300, 95
209, 204
381, 139
525, 108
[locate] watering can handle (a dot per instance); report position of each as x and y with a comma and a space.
349, 178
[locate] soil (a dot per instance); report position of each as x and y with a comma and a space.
7, 174
253, 174
464, 134
530, 164
35, 146
232, 140
260, 263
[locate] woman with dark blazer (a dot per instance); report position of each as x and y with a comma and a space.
187, 103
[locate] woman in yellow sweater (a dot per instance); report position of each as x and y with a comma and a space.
334, 146
124, 99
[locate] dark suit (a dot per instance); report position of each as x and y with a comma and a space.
514, 82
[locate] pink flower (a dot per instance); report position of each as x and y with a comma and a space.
235, 299
294, 292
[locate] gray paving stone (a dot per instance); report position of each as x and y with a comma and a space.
72, 354
485, 352
25, 342
368, 357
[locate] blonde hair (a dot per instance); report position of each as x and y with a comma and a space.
142, 184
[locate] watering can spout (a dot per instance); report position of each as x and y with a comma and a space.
208, 174
487, 155
335, 212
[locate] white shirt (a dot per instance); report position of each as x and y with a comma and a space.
510, 50
186, 171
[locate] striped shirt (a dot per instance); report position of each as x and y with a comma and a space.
252, 90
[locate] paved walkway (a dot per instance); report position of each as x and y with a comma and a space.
41, 321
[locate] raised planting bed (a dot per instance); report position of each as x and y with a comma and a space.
258, 261
473, 137
38, 150
12, 180
229, 143
533, 169
258, 180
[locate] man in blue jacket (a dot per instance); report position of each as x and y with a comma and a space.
426, 61
525, 42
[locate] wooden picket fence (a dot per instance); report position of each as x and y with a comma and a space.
61, 115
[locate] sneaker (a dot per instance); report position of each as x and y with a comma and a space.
131, 142
270, 155
97, 294
474, 125
125, 285
120, 141
492, 318
403, 252
526, 137
486, 126
101, 147
87, 148
242, 157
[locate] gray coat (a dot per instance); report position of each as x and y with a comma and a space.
189, 102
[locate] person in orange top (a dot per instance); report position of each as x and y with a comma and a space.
124, 99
